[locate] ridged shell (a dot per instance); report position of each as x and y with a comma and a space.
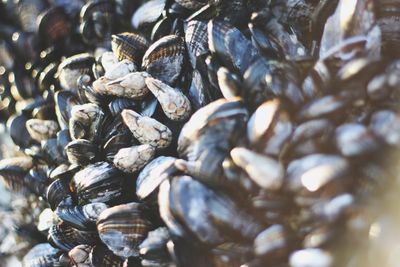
99, 182
165, 58
129, 45
66, 237
122, 228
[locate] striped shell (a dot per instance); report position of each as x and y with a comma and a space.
129, 45
164, 59
122, 228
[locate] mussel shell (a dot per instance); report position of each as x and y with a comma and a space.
64, 101
129, 45
165, 58
72, 68
41, 130
52, 153
122, 228
66, 237
101, 256
148, 13
116, 142
57, 192
196, 38
54, 25
99, 182
93, 7
116, 106
81, 217
231, 46
154, 248
221, 123
63, 138
81, 152
42, 255
18, 132
219, 218
13, 171
85, 121
80, 254
152, 176
318, 174
28, 11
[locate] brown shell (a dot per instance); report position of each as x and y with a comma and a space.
164, 59
129, 45
122, 228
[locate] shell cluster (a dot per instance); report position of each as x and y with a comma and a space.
226, 133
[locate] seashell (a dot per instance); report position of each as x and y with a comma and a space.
101, 256
217, 214
310, 257
99, 182
51, 152
42, 129
147, 13
85, 121
87, 93
81, 217
152, 175
63, 138
18, 131
269, 128
231, 46
81, 152
153, 249
387, 14
207, 138
196, 39
120, 69
314, 173
174, 103
108, 60
147, 130
80, 254
264, 171
164, 59
129, 45
58, 192
13, 171
354, 139
42, 255
65, 237
64, 101
273, 242
116, 142
118, 105
132, 159
73, 67
131, 85
46, 219
192, 4
53, 25
122, 228
325, 106
385, 124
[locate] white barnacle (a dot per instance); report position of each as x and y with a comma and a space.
120, 69
174, 103
147, 130
42, 129
134, 158
131, 85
